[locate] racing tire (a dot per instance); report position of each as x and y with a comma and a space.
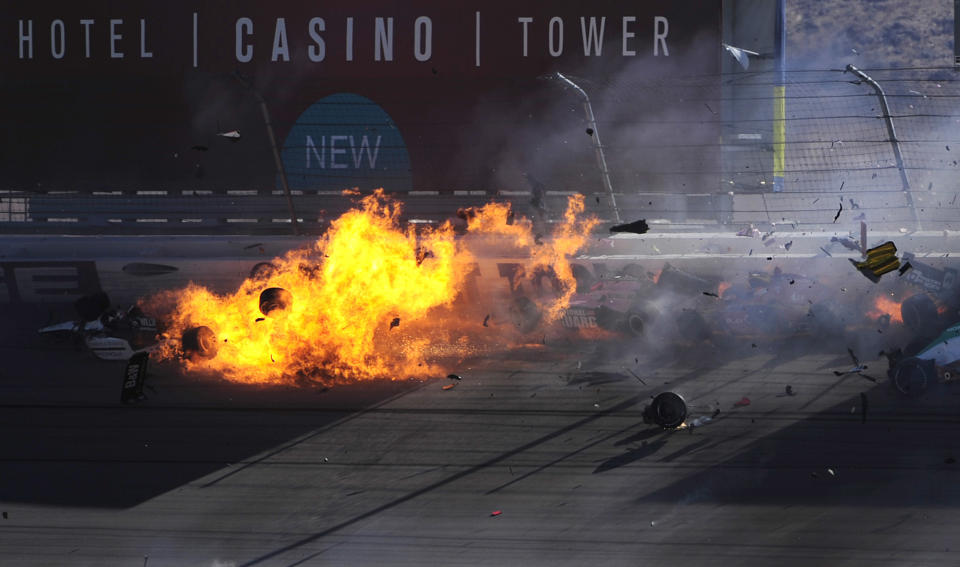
668, 410
918, 311
274, 299
912, 376
200, 342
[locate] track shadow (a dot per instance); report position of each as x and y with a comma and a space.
65, 438
902, 453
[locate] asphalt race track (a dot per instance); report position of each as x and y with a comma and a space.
537, 457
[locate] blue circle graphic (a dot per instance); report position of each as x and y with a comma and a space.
346, 141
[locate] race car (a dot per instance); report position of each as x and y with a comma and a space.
914, 371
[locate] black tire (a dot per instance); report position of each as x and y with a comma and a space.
526, 315
668, 410
200, 342
275, 298
912, 376
919, 312
637, 321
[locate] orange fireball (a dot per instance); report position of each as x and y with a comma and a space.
368, 299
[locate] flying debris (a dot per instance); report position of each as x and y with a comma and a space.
637, 227
454, 377
840, 210
742, 402
740, 54
486, 320
880, 260
395, 322
711, 294
788, 245
232, 135
904, 268
857, 369
789, 390
589, 131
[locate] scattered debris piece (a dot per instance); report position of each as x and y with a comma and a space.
422, 254
454, 377
880, 260
636, 227
740, 54
708, 108
496, 513
395, 322
840, 210
793, 282
749, 231
589, 131
788, 245
631, 372
258, 319
252, 246
449, 386
744, 401
857, 369
486, 319
824, 250
905, 267
232, 135
711, 294
5, 516
789, 390
753, 345
831, 472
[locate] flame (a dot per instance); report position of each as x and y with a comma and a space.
883, 305
370, 300
722, 287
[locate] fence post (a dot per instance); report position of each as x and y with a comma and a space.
595, 135
894, 141
273, 146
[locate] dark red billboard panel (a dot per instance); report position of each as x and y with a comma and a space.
405, 95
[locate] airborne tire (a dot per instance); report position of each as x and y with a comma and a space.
200, 342
919, 312
275, 298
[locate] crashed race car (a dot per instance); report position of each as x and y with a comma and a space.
112, 334
767, 305
914, 371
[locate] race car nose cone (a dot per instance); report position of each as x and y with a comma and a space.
668, 410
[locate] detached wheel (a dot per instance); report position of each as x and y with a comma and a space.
668, 410
200, 342
918, 311
275, 298
913, 376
